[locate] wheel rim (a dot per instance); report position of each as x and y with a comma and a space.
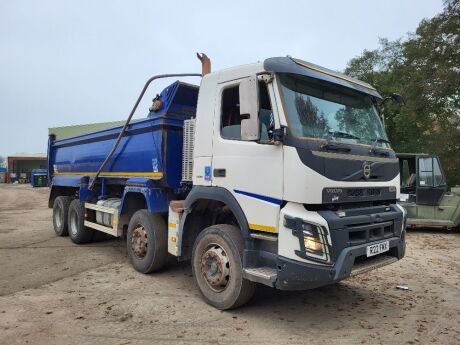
215, 267
73, 223
58, 217
139, 242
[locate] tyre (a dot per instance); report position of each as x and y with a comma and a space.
217, 267
60, 212
78, 233
147, 241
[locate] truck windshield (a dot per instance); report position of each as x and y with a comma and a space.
318, 109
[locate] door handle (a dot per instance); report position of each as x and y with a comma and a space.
219, 172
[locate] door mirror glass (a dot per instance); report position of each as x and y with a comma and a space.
249, 108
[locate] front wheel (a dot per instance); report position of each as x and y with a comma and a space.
218, 269
147, 242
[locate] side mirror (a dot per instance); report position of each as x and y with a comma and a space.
397, 98
249, 109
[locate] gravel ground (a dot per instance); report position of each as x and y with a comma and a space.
55, 292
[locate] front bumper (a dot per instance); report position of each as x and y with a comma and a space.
295, 275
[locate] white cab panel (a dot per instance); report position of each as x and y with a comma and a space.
202, 171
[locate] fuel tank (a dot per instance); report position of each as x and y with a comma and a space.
151, 147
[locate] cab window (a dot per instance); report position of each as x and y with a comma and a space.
230, 113
266, 120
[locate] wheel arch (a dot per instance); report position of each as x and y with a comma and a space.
206, 206
60, 191
131, 202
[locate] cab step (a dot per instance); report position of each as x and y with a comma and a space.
264, 275
265, 237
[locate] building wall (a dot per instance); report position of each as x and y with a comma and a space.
20, 165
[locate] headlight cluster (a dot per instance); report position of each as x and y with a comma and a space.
312, 239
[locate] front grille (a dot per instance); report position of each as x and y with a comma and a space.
363, 233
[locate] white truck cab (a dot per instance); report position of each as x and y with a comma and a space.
297, 157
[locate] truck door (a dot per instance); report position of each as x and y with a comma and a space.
431, 184
251, 170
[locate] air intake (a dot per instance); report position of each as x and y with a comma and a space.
187, 153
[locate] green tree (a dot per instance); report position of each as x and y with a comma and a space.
425, 68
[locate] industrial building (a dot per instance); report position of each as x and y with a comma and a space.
20, 166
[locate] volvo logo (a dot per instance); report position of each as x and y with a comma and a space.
334, 190
367, 170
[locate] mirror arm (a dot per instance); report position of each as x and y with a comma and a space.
279, 134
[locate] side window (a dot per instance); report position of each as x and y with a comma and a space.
425, 166
266, 119
438, 178
230, 122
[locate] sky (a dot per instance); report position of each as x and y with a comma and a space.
75, 62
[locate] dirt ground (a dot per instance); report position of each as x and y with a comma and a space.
55, 292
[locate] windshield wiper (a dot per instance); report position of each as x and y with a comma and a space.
337, 134
374, 149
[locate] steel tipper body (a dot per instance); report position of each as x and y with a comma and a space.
283, 177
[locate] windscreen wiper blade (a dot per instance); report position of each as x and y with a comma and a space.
337, 147
339, 134
374, 149
380, 140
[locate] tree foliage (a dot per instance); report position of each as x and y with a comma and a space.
425, 68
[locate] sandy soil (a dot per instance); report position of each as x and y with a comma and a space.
55, 292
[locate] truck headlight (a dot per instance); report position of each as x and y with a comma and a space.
312, 239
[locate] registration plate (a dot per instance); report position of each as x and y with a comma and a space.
378, 248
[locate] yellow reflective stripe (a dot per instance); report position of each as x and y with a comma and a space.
172, 225
261, 227
114, 174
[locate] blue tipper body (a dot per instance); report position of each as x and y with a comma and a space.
148, 159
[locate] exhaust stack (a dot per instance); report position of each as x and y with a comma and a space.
205, 63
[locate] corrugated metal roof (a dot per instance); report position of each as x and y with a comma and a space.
72, 131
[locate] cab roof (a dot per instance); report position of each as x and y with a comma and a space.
297, 66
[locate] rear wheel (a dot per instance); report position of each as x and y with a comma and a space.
78, 233
60, 212
147, 241
217, 267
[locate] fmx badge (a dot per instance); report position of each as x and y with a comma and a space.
207, 173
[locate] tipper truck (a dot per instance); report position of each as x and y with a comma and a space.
277, 173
